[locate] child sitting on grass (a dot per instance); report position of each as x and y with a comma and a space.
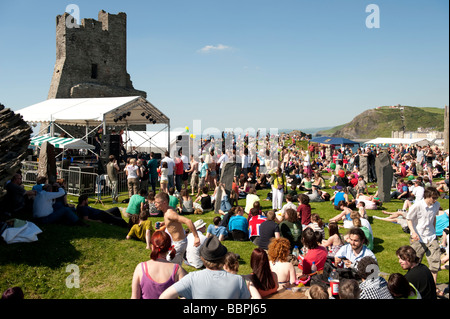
143, 230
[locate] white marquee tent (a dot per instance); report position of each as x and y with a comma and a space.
108, 111
395, 141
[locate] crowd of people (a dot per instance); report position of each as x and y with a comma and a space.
290, 240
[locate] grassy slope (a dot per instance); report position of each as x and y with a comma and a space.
107, 261
388, 119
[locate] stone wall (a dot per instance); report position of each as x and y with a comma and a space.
15, 135
91, 60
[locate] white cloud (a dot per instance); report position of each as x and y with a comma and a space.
212, 48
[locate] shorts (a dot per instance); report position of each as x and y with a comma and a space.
185, 176
432, 252
180, 248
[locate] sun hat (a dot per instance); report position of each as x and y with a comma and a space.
212, 249
199, 224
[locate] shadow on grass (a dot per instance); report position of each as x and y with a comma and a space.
54, 247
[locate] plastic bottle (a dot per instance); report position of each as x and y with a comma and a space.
313, 267
334, 283
296, 252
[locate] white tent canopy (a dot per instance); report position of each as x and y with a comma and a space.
106, 111
395, 141
94, 111
61, 142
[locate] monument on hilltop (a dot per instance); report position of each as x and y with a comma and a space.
91, 58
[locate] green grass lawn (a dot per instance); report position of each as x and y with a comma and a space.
106, 260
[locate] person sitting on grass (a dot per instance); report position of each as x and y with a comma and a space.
143, 230
372, 286
317, 292
173, 200
417, 273
344, 215
204, 199
351, 253
335, 241
135, 203
111, 216
262, 277
152, 277
43, 210
216, 230
210, 283
279, 251
401, 288
349, 289
315, 253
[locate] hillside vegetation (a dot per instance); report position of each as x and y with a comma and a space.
380, 122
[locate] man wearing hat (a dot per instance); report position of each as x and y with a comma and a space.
193, 253
212, 282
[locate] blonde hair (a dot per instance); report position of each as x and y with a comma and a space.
318, 292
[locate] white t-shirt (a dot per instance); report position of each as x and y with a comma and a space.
193, 253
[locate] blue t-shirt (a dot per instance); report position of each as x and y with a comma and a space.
217, 231
339, 196
238, 222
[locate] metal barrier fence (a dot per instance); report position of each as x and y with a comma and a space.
79, 181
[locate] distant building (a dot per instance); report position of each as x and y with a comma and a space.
427, 133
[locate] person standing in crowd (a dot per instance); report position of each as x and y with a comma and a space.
278, 186
152, 165
170, 168
112, 170
421, 219
193, 172
98, 141
185, 160
133, 174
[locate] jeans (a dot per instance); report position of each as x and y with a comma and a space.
64, 215
114, 191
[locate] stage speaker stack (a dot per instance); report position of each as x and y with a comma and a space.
110, 146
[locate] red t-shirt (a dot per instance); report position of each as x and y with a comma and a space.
318, 255
304, 213
179, 168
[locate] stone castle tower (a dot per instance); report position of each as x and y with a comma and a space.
91, 58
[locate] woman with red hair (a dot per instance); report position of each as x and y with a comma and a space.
152, 277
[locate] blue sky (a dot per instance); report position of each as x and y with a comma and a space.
249, 63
